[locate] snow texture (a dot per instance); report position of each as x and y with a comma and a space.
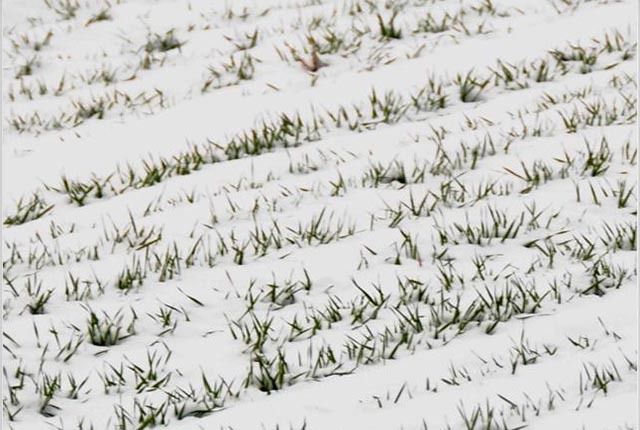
320, 214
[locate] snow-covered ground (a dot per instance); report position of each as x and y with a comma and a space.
320, 214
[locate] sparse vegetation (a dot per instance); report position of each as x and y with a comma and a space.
363, 204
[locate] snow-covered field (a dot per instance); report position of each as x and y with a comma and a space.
320, 214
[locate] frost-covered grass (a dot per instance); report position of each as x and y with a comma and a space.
320, 214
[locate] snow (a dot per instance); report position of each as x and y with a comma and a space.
466, 266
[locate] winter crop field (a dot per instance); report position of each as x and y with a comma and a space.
319, 214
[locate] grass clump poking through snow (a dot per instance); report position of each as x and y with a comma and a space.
28, 210
470, 86
162, 42
388, 29
65, 9
108, 330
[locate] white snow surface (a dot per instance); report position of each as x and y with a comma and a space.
320, 214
